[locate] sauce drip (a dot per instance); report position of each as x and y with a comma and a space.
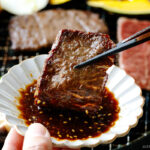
69, 124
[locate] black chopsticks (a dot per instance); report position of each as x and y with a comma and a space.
134, 40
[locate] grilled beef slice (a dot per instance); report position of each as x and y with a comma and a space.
32, 32
78, 89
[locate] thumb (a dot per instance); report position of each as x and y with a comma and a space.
37, 137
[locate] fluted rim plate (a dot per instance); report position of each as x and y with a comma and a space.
122, 85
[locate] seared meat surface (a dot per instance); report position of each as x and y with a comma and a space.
79, 89
32, 32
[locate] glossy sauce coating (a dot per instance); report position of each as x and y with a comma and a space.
69, 124
63, 86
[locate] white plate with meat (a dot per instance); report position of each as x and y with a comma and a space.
127, 93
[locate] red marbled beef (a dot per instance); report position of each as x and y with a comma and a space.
136, 60
79, 89
32, 32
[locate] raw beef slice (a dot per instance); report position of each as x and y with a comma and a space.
82, 89
136, 60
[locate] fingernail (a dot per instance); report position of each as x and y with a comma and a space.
37, 137
37, 129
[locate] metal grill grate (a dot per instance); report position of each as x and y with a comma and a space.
9, 58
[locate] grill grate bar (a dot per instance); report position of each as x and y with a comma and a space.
20, 58
147, 101
128, 139
110, 146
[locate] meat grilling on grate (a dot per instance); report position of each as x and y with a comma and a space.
79, 89
32, 32
136, 60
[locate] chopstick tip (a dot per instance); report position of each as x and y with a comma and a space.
76, 67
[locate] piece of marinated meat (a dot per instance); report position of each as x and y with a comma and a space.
32, 32
78, 89
136, 60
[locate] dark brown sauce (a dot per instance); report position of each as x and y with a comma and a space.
69, 124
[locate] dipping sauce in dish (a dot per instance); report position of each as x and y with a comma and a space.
69, 124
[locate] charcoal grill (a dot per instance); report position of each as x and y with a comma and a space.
137, 138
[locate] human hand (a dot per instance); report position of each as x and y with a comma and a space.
37, 137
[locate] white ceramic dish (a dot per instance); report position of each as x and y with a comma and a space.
122, 85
